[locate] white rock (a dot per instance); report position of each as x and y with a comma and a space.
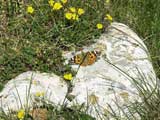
110, 80
15, 94
106, 84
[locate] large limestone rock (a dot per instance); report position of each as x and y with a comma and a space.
104, 86
111, 82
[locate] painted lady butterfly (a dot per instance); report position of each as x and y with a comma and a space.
85, 59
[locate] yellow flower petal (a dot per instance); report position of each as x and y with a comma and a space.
68, 15
107, 1
21, 114
75, 16
39, 94
51, 2
72, 9
64, 1
109, 17
80, 11
57, 6
30, 9
99, 26
68, 76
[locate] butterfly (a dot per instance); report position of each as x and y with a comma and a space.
85, 59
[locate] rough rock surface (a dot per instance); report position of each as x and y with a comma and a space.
106, 84
111, 80
31, 85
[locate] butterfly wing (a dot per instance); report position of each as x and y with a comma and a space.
78, 59
91, 57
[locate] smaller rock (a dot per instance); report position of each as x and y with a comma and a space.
29, 88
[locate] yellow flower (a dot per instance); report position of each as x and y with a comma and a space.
75, 16
21, 114
108, 17
64, 1
99, 26
39, 94
57, 6
107, 1
72, 9
30, 9
80, 11
68, 76
68, 15
51, 2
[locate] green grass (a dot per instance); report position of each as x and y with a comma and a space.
35, 42
50, 113
143, 17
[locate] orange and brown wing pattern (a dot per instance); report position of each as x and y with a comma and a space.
85, 59
78, 59
92, 57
